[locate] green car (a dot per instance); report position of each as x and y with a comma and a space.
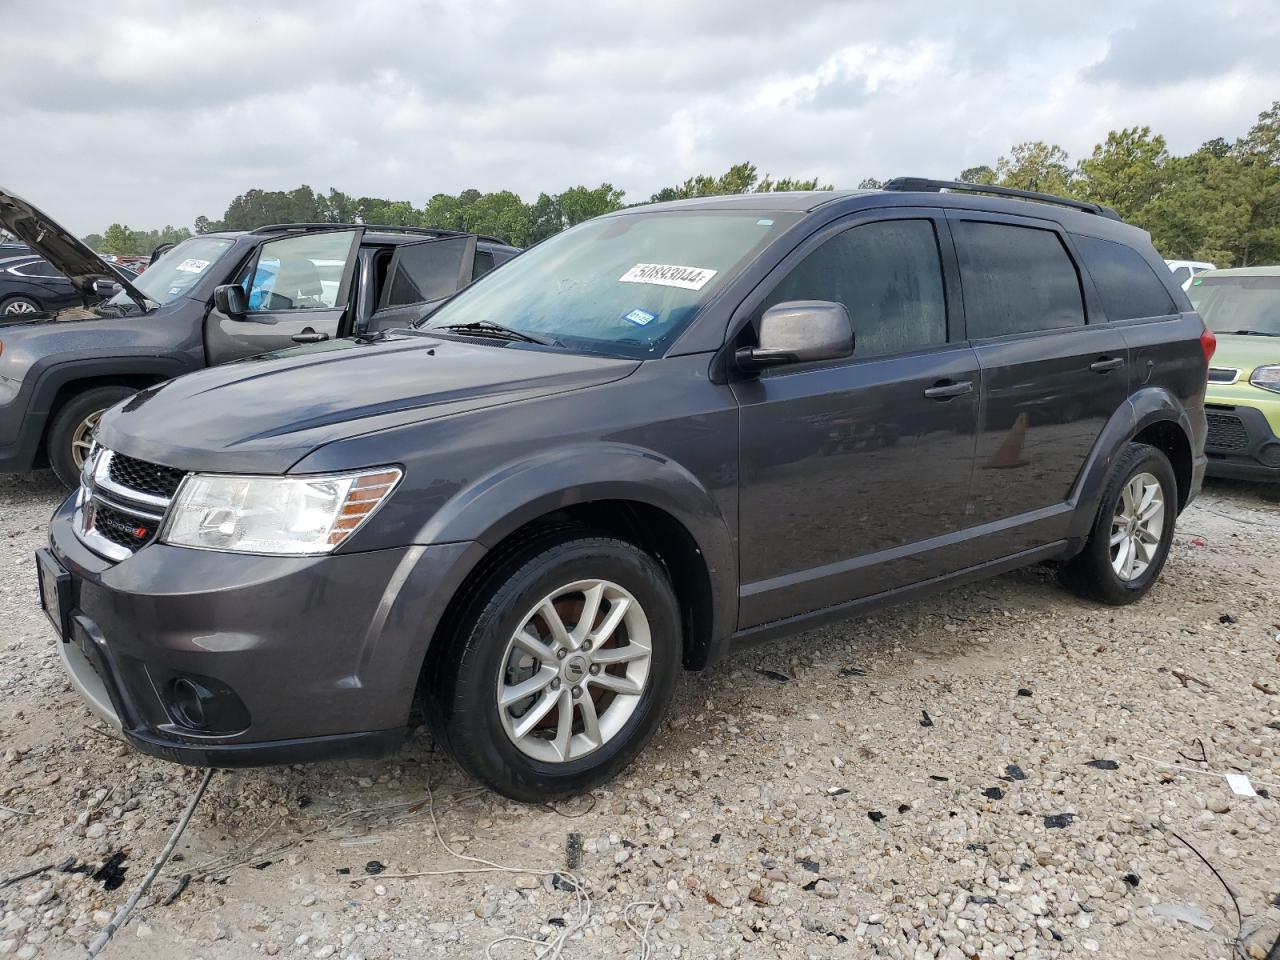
1242, 306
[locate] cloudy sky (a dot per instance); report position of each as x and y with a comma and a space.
156, 112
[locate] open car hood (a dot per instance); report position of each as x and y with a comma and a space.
60, 247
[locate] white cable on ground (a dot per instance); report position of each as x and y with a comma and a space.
122, 915
646, 950
1204, 773
550, 949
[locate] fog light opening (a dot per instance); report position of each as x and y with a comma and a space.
188, 703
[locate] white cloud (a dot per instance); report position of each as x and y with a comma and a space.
153, 114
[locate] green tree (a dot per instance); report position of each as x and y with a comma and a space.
1126, 172
120, 241
739, 178
979, 174
549, 214
1038, 166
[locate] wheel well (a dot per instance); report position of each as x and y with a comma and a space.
67, 391
651, 529
1167, 436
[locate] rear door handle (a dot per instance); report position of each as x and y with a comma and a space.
1107, 364
309, 336
946, 389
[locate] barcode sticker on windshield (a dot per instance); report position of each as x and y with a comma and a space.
192, 265
668, 275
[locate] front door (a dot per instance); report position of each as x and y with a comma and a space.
299, 287
849, 469
1051, 380
421, 276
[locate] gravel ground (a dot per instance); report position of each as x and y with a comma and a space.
1002, 771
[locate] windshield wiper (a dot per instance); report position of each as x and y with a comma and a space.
487, 328
1251, 333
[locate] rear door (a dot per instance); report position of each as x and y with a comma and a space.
421, 276
299, 289
1053, 373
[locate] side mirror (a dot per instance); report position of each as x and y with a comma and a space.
799, 331
231, 300
106, 288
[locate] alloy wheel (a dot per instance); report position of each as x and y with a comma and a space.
1137, 526
20, 308
574, 671
82, 438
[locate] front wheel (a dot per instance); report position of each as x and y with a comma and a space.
71, 433
560, 670
1132, 533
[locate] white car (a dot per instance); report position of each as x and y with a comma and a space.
1185, 270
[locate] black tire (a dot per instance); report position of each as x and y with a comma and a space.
463, 675
67, 423
14, 306
1090, 573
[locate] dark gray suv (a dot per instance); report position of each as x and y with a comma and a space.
665, 434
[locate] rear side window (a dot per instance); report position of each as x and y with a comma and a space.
426, 271
889, 277
1016, 280
1129, 288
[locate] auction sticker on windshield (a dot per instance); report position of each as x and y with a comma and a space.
668, 275
192, 265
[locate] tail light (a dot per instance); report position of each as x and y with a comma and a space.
1208, 343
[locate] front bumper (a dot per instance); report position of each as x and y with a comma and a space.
1240, 443
321, 654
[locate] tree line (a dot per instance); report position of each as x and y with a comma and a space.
1220, 202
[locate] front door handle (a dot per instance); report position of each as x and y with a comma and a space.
309, 336
1107, 364
946, 389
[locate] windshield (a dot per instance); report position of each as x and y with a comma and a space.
623, 285
170, 276
1238, 304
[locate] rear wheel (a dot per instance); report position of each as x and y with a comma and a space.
71, 433
19, 307
561, 667
1131, 535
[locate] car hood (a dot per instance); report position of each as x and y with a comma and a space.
263, 415
1245, 353
60, 247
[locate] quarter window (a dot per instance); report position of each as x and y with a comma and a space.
1016, 280
889, 277
1129, 288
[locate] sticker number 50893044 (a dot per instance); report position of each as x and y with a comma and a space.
668, 275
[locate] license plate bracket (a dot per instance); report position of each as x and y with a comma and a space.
55, 593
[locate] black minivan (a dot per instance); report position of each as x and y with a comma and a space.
657, 437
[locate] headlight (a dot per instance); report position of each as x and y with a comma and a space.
1268, 378
277, 515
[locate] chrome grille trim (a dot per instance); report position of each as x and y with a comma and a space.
97, 488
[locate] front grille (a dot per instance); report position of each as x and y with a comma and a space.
149, 478
1223, 374
122, 503
121, 528
1226, 432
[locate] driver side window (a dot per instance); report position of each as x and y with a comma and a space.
299, 272
888, 274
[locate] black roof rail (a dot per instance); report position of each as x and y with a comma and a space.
924, 185
376, 228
